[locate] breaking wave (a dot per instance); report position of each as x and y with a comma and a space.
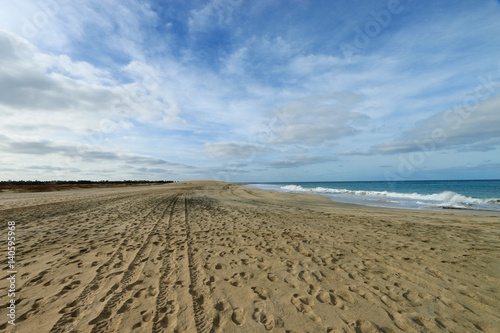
446, 196
441, 200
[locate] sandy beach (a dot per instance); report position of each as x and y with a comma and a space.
216, 257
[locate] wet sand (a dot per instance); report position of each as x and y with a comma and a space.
213, 257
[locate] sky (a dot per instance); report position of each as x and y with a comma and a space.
249, 91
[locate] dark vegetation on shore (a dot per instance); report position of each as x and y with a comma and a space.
58, 185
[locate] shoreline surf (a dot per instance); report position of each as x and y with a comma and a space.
473, 195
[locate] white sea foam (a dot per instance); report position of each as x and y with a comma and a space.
441, 200
446, 196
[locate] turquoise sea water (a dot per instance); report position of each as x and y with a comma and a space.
482, 195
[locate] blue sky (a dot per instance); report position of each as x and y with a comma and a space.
250, 90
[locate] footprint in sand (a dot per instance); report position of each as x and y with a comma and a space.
305, 276
261, 292
365, 326
325, 297
260, 315
304, 305
357, 291
272, 277
265, 319
68, 287
313, 289
238, 279
147, 315
238, 316
210, 281
345, 296
169, 319
126, 306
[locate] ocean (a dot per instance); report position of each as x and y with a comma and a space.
473, 195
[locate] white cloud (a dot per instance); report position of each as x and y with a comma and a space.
314, 64
319, 119
113, 25
234, 151
63, 160
300, 160
42, 90
474, 127
213, 14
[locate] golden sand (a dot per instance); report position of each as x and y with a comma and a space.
212, 257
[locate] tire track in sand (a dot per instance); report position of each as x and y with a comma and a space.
104, 320
164, 308
195, 283
71, 312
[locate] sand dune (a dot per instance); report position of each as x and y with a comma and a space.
208, 257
